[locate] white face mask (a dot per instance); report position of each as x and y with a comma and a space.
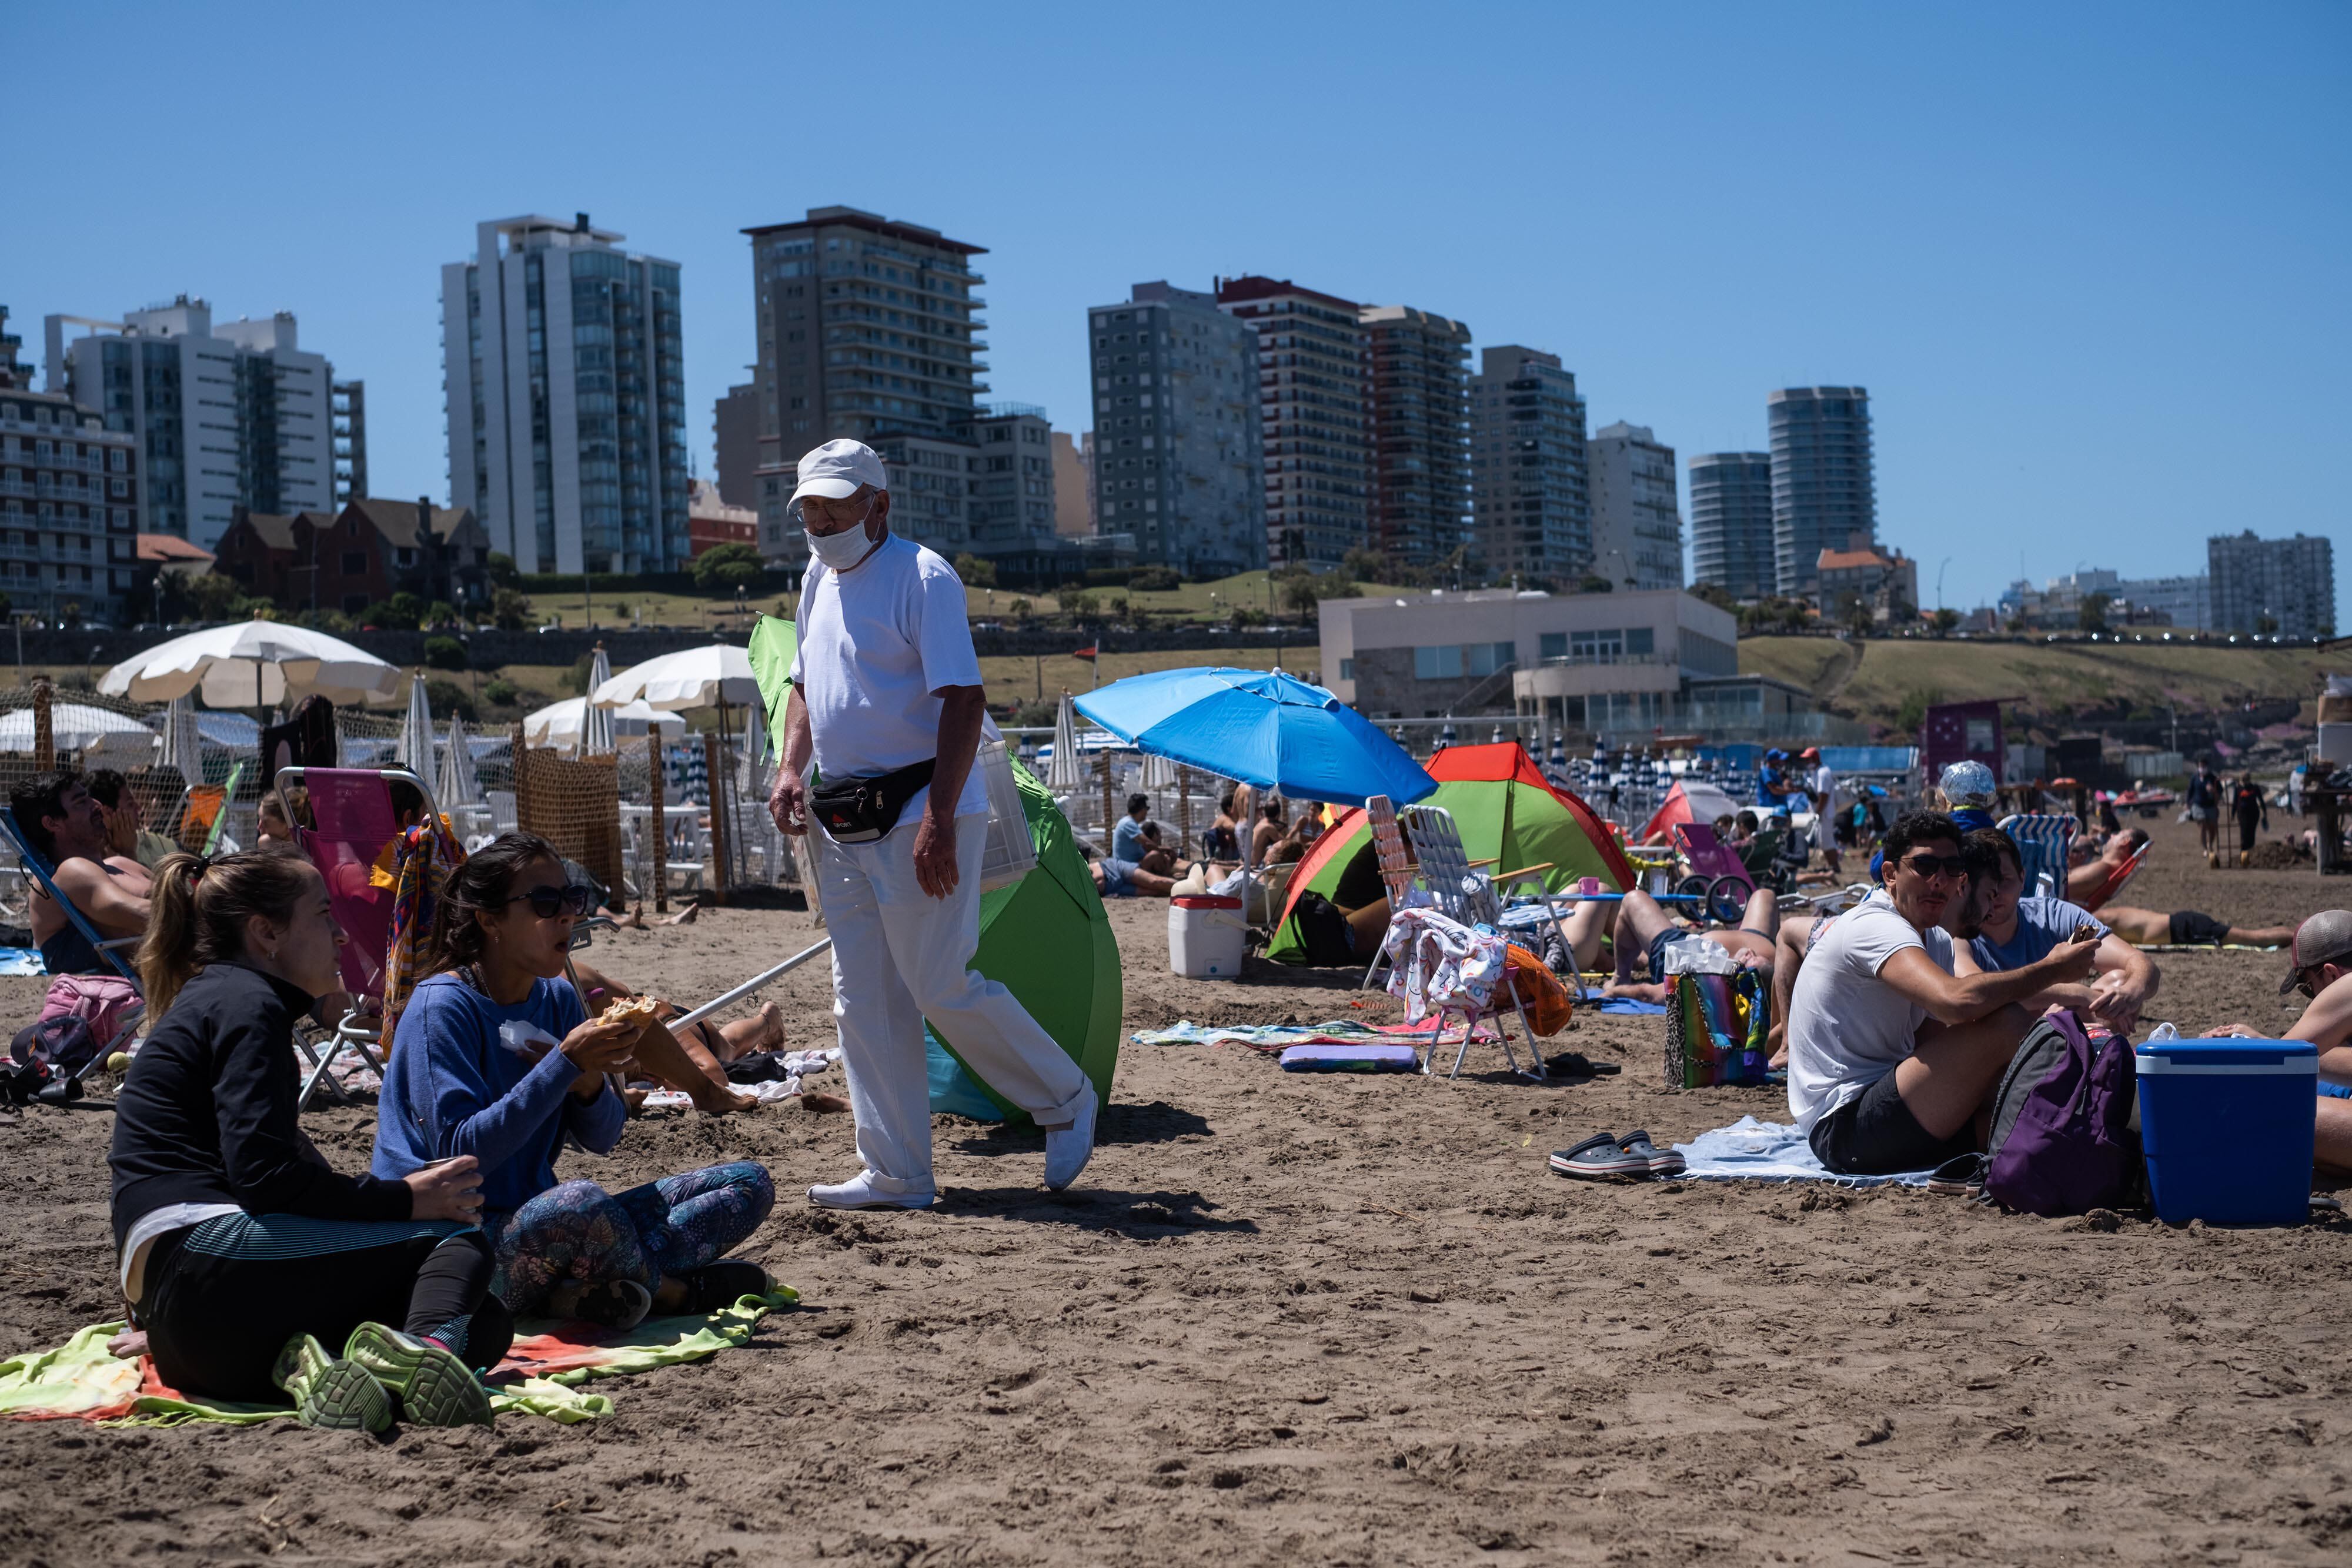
842, 550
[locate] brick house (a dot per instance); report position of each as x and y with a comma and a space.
361, 556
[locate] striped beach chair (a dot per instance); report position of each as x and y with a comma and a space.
2044, 841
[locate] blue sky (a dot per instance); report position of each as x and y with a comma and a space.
2090, 259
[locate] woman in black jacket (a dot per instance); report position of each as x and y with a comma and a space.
241, 1248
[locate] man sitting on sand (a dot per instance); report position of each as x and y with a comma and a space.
1126, 836
2001, 930
1893, 1057
62, 822
2319, 967
1116, 878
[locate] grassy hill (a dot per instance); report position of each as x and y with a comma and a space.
2056, 683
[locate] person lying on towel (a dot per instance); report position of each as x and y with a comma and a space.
496, 1057
256, 1269
2189, 928
1893, 1057
2319, 969
1645, 934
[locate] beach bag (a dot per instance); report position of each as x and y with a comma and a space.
1715, 1030
106, 1005
1541, 996
2062, 1140
1323, 932
61, 1042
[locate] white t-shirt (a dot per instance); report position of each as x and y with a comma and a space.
1847, 1028
875, 643
1825, 788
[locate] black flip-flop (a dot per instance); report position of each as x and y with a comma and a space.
1662, 1162
1575, 1064
722, 1284
1962, 1176
1598, 1159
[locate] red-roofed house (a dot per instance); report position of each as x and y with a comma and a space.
1886, 581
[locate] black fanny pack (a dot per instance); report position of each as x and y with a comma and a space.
860, 810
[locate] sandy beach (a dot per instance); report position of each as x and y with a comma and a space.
1295, 1318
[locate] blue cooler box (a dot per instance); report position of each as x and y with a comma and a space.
2227, 1127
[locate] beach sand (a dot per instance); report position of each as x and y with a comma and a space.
1312, 1319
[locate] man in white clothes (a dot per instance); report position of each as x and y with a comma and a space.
1893, 1059
886, 697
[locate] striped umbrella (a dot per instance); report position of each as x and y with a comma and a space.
182, 745
414, 751
596, 724
458, 784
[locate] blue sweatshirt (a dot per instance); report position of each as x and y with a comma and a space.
458, 1088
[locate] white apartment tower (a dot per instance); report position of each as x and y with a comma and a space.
226, 416
1637, 525
564, 381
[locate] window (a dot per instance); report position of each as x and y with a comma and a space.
1554, 645
1347, 669
1639, 639
1437, 664
355, 564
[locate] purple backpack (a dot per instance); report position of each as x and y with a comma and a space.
2062, 1141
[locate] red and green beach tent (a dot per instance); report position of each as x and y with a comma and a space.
1506, 811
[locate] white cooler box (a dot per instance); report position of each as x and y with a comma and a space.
1206, 937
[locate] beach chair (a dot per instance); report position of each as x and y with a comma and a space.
2044, 841
1717, 874
115, 950
1462, 892
1396, 863
2117, 878
354, 823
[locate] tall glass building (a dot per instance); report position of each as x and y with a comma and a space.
1824, 492
564, 378
1531, 503
1731, 523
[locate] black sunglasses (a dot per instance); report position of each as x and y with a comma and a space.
1928, 866
547, 903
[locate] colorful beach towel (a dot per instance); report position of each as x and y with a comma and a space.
22, 961
541, 1375
1280, 1037
1750, 1150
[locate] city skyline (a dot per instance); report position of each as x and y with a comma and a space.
2019, 310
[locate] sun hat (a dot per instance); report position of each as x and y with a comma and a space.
2323, 938
838, 469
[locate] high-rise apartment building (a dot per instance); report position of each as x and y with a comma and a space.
1012, 479
1824, 484
868, 327
1417, 419
2285, 587
1531, 505
1637, 522
351, 442
1731, 523
68, 500
1311, 419
735, 441
565, 383
2183, 601
1073, 487
227, 415
1176, 447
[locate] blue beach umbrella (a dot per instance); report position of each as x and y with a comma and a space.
1261, 727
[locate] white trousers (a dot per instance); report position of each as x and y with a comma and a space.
900, 956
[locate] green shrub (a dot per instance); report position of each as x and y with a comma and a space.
725, 568
974, 571
444, 653
1154, 579
500, 693
449, 697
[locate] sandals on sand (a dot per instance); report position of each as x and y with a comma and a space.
1663, 1162
1598, 1158
1962, 1176
723, 1283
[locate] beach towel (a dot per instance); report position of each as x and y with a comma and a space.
1436, 963
1750, 1150
1278, 1037
541, 1375
22, 961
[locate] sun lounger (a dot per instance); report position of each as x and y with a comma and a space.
2113, 884
114, 950
2042, 840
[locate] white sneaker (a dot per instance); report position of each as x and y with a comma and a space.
1068, 1149
864, 1191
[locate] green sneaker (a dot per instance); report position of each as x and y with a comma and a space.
435, 1388
330, 1391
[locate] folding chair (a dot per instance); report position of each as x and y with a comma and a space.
42, 873
1462, 893
2042, 842
352, 808
1494, 1011
2117, 878
1396, 863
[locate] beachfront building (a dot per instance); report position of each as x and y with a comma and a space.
1417, 419
2182, 602
564, 381
224, 416
1731, 523
1637, 522
1884, 582
1012, 479
68, 506
1311, 419
1176, 460
1823, 484
868, 327
350, 436
2284, 588
735, 443
1621, 663
1530, 501
710, 521
1073, 485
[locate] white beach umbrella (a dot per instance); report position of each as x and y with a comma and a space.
1063, 774
597, 732
182, 747
414, 748
252, 663
458, 784
73, 727
558, 725
705, 677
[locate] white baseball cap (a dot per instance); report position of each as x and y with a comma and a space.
838, 469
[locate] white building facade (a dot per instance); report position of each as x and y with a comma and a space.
225, 416
564, 381
1637, 523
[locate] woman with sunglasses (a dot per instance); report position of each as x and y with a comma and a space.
497, 1058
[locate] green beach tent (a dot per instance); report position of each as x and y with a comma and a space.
1044, 938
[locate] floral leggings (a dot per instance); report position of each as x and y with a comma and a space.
577, 1230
